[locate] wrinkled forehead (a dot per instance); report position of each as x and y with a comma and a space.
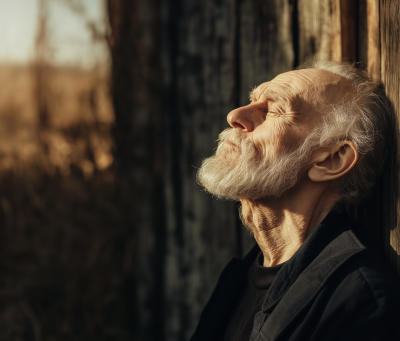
308, 86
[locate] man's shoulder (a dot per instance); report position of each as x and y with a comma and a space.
359, 299
369, 276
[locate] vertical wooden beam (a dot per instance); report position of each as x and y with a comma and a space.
266, 50
201, 88
136, 91
348, 20
390, 75
374, 48
317, 28
362, 37
336, 31
369, 49
327, 30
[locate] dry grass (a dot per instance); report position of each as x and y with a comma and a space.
65, 251
80, 116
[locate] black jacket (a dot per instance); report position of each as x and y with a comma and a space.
337, 286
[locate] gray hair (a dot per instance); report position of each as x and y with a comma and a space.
366, 119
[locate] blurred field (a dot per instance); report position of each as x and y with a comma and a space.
65, 252
79, 119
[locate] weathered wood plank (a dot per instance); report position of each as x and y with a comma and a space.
348, 19
319, 31
390, 73
136, 87
327, 30
362, 37
360, 34
202, 233
373, 52
336, 31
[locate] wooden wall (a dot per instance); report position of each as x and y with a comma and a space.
193, 62
390, 76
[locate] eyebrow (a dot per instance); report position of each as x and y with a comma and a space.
269, 95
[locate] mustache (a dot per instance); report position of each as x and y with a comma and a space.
230, 134
237, 138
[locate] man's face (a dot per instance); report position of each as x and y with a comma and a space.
259, 156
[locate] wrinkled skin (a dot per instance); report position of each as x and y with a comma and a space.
281, 114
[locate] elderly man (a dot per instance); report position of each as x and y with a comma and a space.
309, 141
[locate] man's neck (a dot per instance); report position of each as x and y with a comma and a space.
281, 225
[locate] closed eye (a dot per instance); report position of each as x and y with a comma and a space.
264, 109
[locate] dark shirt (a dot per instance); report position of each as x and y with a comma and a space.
240, 321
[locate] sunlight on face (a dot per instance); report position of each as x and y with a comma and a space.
268, 145
239, 170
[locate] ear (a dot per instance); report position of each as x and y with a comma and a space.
333, 163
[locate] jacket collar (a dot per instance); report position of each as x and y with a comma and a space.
300, 279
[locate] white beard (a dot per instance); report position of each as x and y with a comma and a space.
246, 173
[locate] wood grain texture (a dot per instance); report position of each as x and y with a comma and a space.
362, 36
201, 89
136, 81
320, 30
336, 31
348, 20
368, 37
266, 43
390, 71
374, 46
315, 30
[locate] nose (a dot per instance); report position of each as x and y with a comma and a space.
242, 118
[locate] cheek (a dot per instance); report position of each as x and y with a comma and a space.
273, 139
